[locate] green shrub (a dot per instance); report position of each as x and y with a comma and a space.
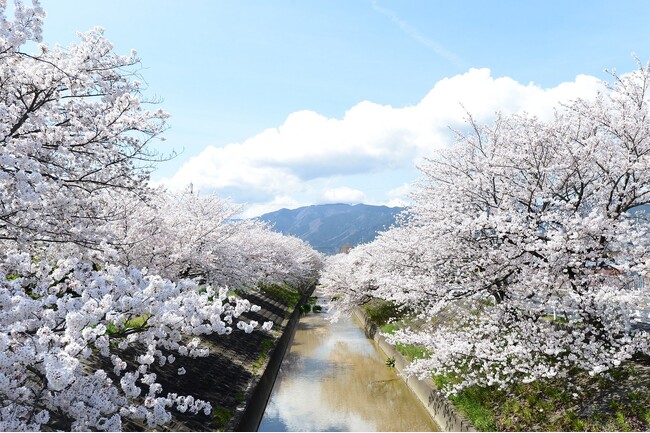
380, 312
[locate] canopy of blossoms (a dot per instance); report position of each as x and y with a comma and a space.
523, 249
87, 249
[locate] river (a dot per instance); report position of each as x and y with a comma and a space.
333, 378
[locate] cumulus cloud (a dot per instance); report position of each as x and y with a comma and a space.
278, 202
343, 195
401, 191
399, 196
279, 164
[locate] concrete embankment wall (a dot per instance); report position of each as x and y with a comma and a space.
441, 409
258, 396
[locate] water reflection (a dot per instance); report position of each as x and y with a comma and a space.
334, 379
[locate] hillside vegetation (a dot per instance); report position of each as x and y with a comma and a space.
331, 227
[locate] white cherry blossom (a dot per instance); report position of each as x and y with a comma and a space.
521, 254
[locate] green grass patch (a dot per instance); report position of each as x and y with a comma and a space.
266, 345
220, 417
389, 328
471, 403
283, 293
412, 351
554, 404
477, 404
136, 322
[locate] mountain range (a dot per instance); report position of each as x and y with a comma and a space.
330, 228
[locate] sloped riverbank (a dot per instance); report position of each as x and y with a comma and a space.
248, 418
616, 401
237, 375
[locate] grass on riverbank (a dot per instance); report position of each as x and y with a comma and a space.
267, 344
220, 417
282, 292
617, 401
409, 351
620, 402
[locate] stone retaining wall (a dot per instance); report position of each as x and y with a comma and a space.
249, 417
233, 377
441, 409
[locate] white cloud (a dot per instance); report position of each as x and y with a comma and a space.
398, 197
344, 195
278, 202
396, 202
401, 191
279, 164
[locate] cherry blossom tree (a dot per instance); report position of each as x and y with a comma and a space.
92, 260
63, 318
183, 234
57, 320
273, 258
521, 248
74, 133
174, 234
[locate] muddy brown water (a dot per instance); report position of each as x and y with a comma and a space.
333, 378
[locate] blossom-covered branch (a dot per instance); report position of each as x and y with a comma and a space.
520, 252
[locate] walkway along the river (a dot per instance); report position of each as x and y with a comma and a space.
333, 378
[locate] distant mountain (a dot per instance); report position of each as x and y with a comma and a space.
330, 227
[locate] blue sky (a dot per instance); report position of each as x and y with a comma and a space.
286, 103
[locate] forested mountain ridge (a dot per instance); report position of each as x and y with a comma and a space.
331, 227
